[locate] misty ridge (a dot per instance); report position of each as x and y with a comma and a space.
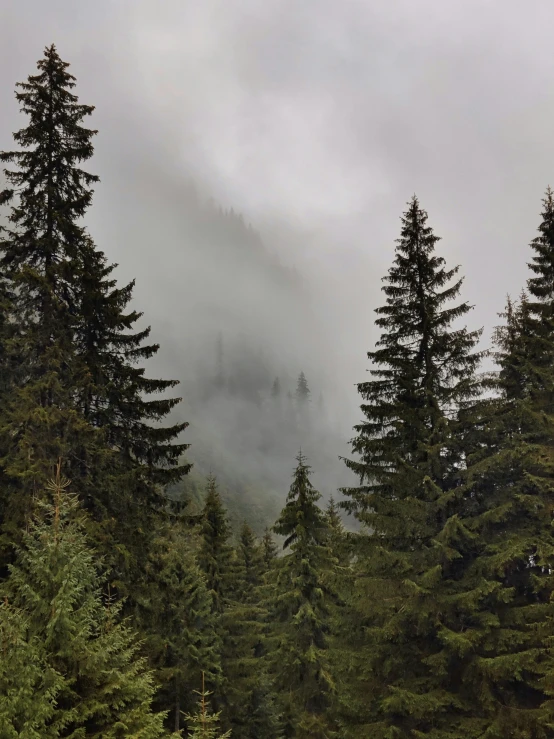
232, 315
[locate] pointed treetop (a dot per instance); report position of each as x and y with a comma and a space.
276, 388
541, 286
302, 389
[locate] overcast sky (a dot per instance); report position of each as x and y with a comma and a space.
323, 116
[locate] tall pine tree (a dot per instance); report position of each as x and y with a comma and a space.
510, 497
79, 393
410, 458
49, 194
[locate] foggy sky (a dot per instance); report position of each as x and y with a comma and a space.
318, 120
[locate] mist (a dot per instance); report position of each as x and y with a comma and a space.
314, 123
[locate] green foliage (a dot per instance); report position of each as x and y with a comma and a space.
245, 630
204, 724
178, 619
215, 551
28, 686
411, 615
301, 612
77, 393
89, 679
510, 502
39, 421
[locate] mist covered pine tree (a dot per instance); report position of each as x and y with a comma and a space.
302, 393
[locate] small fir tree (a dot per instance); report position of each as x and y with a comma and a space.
302, 612
204, 724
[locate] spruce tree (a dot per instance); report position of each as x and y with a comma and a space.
510, 495
409, 612
79, 393
99, 686
214, 556
246, 638
302, 612
216, 561
276, 389
28, 687
269, 549
204, 724
49, 193
302, 393
263, 711
177, 617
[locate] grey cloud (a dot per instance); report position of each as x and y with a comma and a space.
318, 120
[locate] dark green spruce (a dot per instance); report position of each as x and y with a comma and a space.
409, 613
301, 612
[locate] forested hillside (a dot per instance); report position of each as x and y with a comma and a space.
206, 565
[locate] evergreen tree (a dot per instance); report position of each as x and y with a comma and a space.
39, 421
112, 395
276, 389
245, 628
219, 370
263, 711
178, 618
214, 555
510, 495
302, 613
204, 724
337, 536
269, 549
215, 558
28, 687
96, 683
410, 612
78, 393
302, 390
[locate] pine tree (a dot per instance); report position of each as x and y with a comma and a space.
269, 549
215, 551
204, 723
219, 370
39, 421
510, 495
302, 393
178, 618
409, 610
28, 687
98, 684
301, 611
276, 389
245, 629
79, 394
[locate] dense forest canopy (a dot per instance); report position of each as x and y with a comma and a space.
156, 577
